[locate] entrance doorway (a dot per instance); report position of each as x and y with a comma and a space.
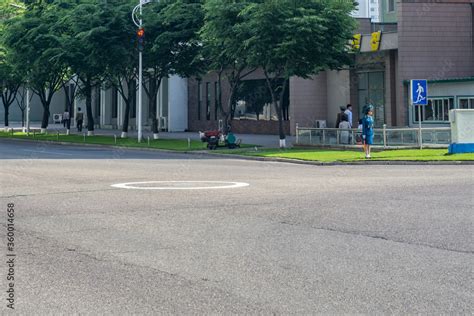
372, 91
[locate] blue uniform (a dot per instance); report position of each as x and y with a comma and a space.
368, 129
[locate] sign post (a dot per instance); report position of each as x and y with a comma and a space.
419, 96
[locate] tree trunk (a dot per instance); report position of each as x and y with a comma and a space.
126, 117
7, 108
45, 120
153, 106
229, 115
22, 118
154, 120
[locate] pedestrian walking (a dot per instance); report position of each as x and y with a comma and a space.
79, 119
339, 116
359, 133
348, 112
368, 130
66, 118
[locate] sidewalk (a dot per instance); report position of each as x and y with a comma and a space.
268, 141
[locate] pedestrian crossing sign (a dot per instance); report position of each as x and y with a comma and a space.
419, 92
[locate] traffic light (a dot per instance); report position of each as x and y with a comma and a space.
141, 39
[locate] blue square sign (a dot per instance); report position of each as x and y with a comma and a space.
419, 92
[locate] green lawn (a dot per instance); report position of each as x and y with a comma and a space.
327, 155
322, 155
169, 144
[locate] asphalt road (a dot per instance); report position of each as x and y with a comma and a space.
298, 240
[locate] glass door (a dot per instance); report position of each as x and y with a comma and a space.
372, 91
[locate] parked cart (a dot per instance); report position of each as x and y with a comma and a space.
216, 139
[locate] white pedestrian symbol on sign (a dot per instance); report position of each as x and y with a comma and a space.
420, 92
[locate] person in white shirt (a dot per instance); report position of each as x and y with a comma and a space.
348, 112
345, 133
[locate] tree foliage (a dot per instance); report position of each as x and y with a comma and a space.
172, 44
223, 38
296, 38
35, 46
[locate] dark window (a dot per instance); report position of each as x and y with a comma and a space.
437, 110
114, 102
208, 101
199, 100
216, 99
391, 5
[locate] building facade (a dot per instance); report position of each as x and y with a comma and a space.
421, 39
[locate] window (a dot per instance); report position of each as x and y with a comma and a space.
208, 101
390, 5
114, 102
199, 100
466, 103
437, 110
216, 99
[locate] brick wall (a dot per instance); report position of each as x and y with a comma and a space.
435, 42
308, 100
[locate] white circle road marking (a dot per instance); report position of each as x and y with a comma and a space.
220, 185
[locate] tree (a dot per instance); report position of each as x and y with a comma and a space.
21, 100
223, 38
34, 44
173, 46
296, 38
122, 64
87, 45
10, 82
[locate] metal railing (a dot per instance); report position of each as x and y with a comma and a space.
386, 137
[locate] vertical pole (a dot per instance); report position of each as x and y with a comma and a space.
385, 136
28, 111
140, 79
324, 137
420, 135
310, 136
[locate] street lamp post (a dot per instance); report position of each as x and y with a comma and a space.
139, 24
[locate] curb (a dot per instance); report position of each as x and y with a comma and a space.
262, 159
350, 163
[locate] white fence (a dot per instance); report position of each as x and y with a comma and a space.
386, 137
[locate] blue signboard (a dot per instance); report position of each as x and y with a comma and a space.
419, 92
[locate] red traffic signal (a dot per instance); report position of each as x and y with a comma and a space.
141, 39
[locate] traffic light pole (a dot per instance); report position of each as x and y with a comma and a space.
140, 83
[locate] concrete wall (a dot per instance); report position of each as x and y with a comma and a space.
178, 104
435, 42
338, 94
308, 100
36, 109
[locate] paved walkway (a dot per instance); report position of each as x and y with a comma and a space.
270, 141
